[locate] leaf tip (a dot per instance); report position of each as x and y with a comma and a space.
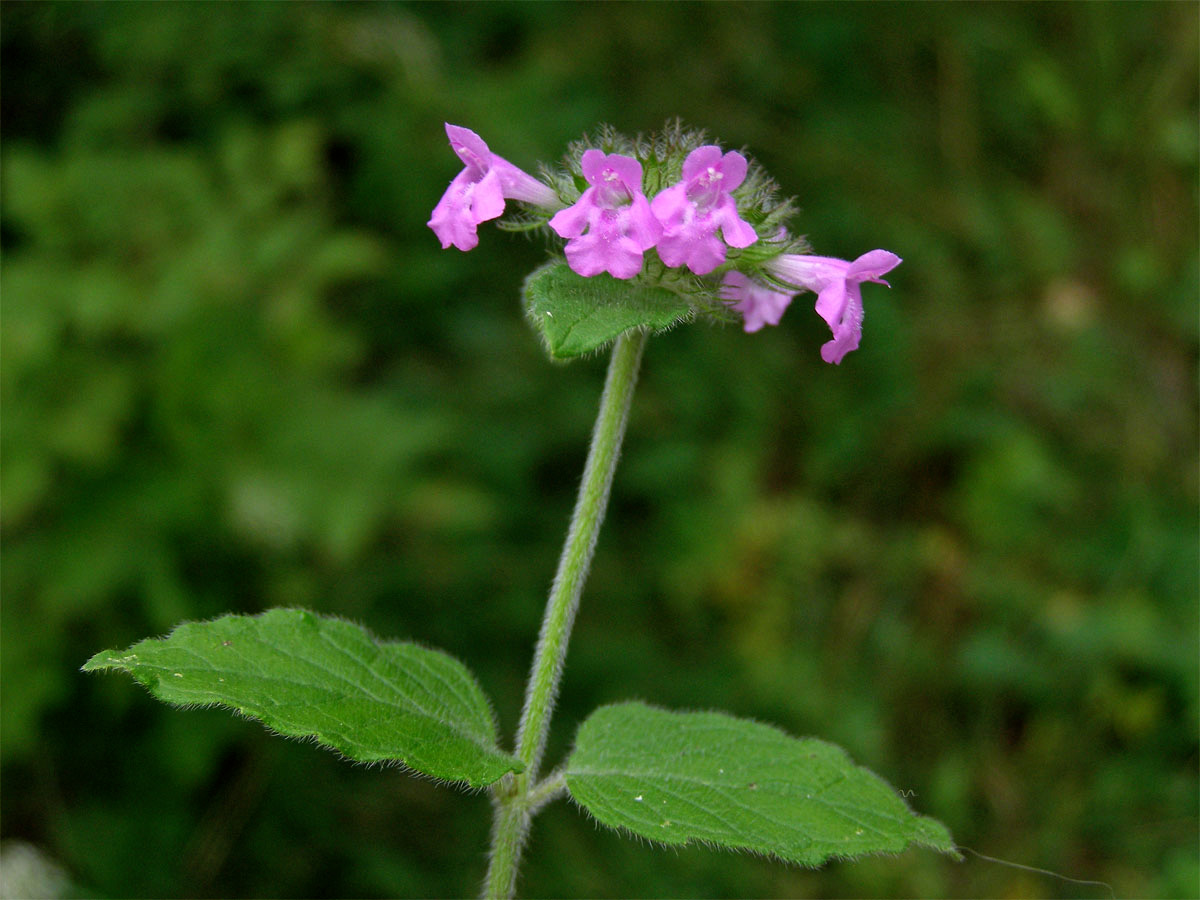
107, 659
936, 836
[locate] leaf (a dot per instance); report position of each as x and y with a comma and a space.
709, 777
576, 315
305, 675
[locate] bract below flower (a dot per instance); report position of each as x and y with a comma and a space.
610, 226
692, 211
478, 192
758, 304
839, 295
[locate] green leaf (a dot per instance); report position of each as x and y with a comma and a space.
305, 675
709, 777
576, 315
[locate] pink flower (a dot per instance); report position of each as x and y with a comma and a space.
478, 192
611, 225
693, 210
839, 295
759, 305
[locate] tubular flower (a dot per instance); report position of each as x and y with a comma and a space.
759, 305
693, 210
839, 295
611, 225
706, 201
478, 192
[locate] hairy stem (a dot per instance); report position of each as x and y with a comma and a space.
549, 789
518, 797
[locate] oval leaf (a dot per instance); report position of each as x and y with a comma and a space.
709, 777
576, 315
305, 675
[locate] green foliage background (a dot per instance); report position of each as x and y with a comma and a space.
238, 372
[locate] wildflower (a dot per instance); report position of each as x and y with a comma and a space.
839, 295
611, 225
693, 210
758, 304
478, 192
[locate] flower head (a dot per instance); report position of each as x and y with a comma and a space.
478, 192
839, 295
611, 225
692, 211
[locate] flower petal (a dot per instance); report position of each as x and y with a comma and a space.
604, 249
640, 224
452, 220
705, 254
487, 199
469, 146
759, 305
736, 231
700, 159
595, 163
733, 170
670, 204
847, 331
831, 302
810, 273
871, 265
519, 185
592, 164
570, 222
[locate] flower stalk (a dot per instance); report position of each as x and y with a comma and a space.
518, 797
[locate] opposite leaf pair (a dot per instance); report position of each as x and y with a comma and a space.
667, 776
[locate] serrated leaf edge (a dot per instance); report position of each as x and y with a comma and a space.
950, 848
683, 318
108, 660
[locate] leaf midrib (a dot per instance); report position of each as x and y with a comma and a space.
659, 779
483, 742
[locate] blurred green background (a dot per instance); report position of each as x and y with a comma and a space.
238, 372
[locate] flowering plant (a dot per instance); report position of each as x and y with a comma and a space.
658, 231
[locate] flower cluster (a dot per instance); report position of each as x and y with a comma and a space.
706, 203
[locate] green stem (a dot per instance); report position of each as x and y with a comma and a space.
518, 797
548, 789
